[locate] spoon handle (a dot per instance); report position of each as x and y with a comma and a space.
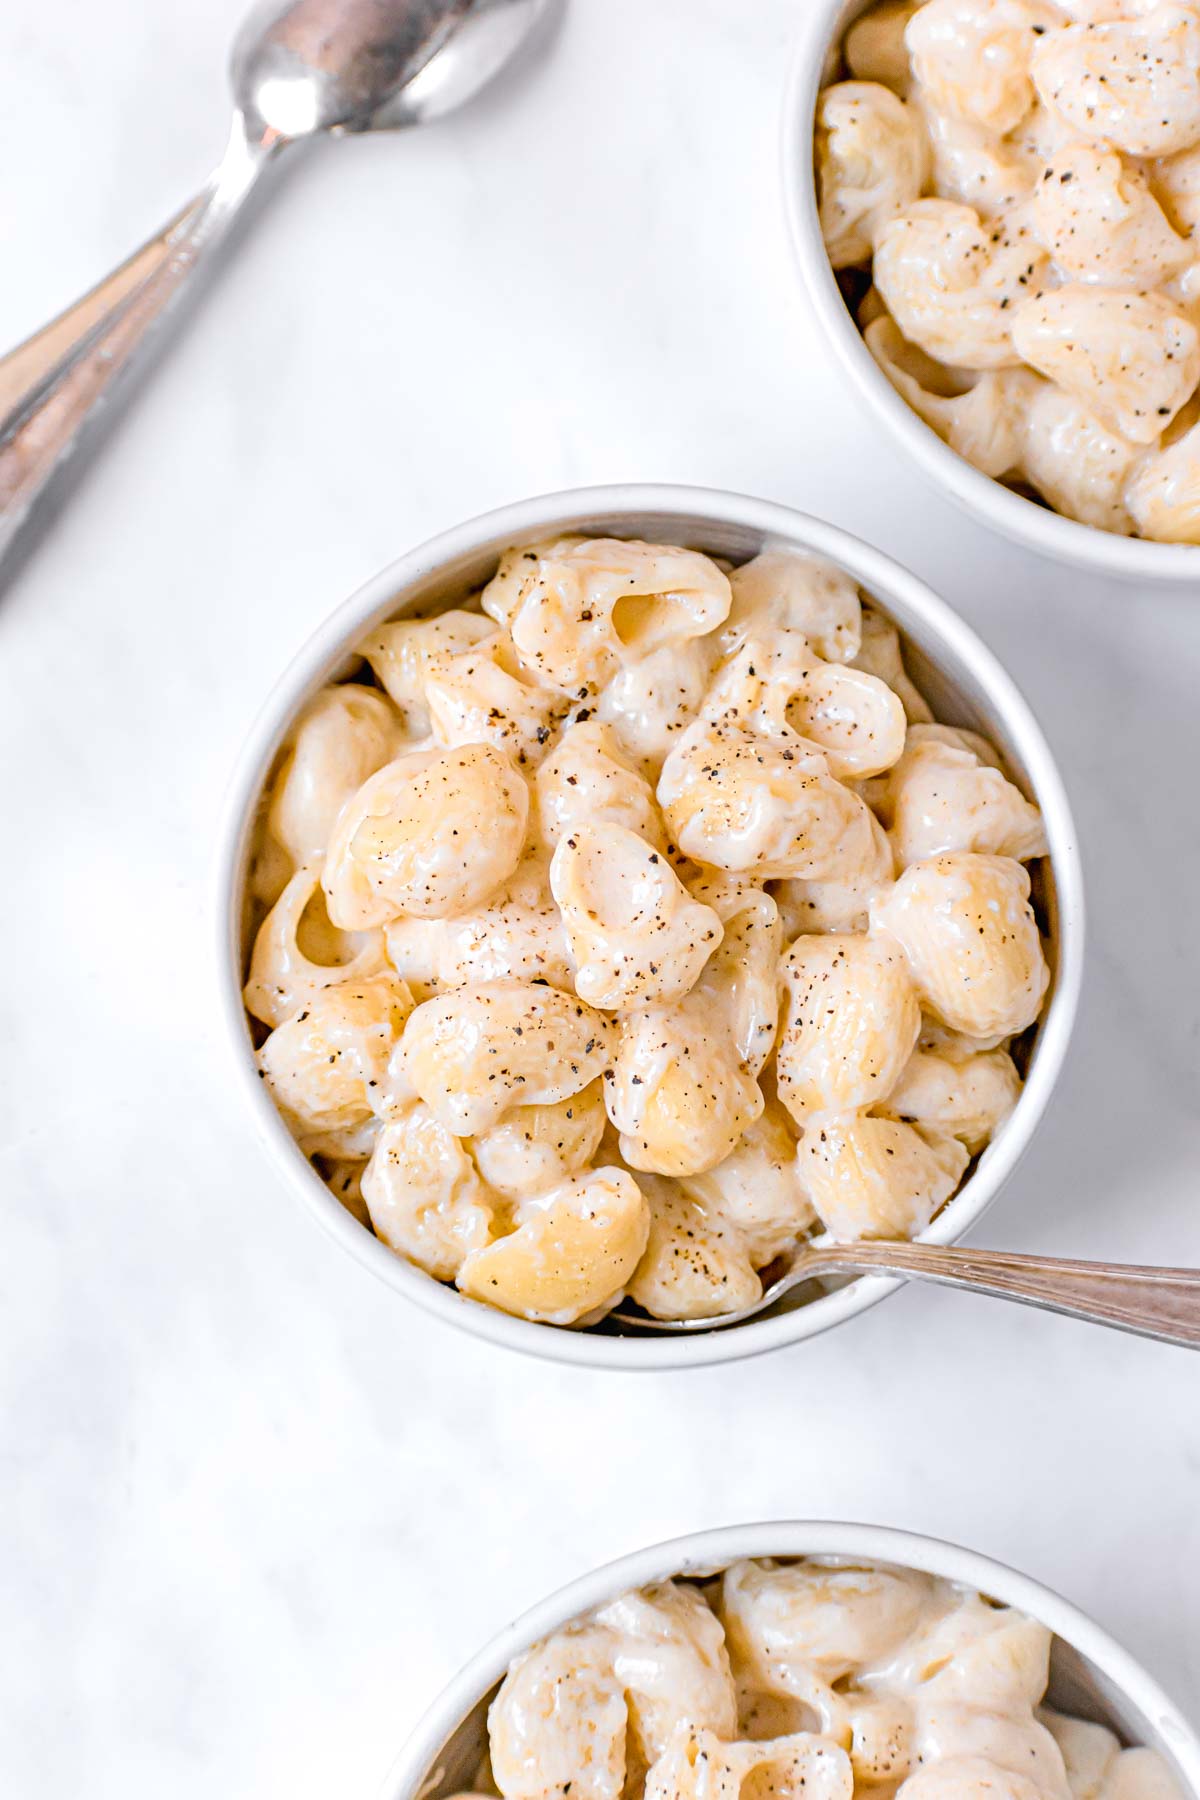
1154, 1303
56, 382
25, 371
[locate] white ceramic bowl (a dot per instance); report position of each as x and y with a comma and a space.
964, 684
821, 25
1091, 1676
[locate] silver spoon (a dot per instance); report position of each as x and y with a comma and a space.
1154, 1303
297, 70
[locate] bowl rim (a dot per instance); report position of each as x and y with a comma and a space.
1010, 514
704, 1551
706, 508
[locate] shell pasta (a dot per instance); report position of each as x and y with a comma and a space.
1008, 193
631, 921
815, 1680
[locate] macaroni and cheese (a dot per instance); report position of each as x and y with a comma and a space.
1010, 193
811, 1680
632, 921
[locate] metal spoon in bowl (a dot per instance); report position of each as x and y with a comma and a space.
297, 70
1154, 1303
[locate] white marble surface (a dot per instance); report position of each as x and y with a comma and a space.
256, 1512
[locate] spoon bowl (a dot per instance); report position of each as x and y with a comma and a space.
310, 66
